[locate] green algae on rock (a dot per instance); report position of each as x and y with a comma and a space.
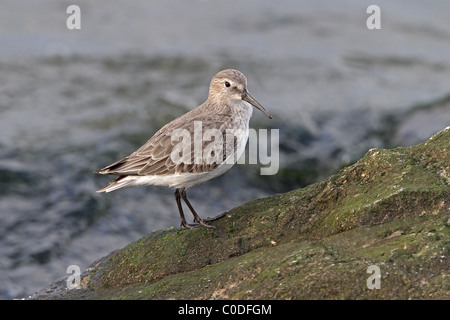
390, 209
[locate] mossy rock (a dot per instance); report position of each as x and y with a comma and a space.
390, 209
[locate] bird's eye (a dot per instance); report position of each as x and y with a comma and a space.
227, 84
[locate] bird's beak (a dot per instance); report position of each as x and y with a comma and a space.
248, 98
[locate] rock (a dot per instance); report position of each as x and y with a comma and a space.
390, 209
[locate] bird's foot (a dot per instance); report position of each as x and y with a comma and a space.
188, 225
193, 225
216, 217
201, 221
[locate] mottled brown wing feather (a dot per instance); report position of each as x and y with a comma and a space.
154, 157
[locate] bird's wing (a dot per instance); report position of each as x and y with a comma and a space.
155, 156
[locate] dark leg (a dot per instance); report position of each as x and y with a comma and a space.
180, 209
196, 216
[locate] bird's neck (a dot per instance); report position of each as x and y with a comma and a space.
242, 108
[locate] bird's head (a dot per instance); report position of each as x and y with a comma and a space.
230, 86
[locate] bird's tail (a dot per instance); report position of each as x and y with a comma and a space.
118, 183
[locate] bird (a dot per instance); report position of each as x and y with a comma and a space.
225, 114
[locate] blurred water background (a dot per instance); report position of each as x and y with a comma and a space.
72, 101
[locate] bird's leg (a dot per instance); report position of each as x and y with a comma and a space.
180, 209
196, 216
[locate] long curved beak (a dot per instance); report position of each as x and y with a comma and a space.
248, 98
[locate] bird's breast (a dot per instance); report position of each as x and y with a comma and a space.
241, 114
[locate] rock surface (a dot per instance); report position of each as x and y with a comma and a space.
391, 209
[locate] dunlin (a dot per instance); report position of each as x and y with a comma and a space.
227, 111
